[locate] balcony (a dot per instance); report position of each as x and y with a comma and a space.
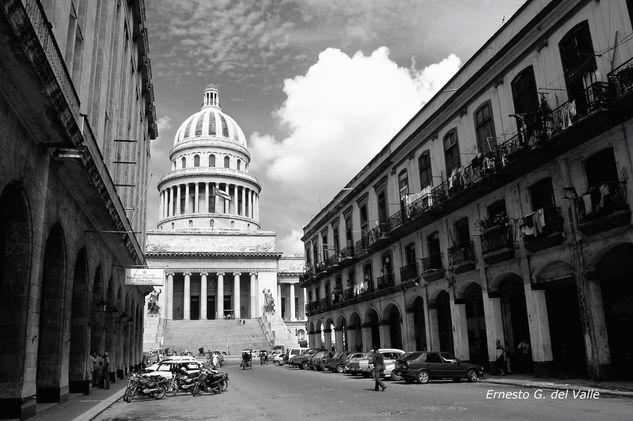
385, 281
432, 268
361, 246
377, 236
621, 80
461, 257
603, 208
542, 229
408, 272
497, 242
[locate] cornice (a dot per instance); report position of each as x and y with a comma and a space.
213, 254
209, 172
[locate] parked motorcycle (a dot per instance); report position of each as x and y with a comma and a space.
145, 386
180, 380
211, 381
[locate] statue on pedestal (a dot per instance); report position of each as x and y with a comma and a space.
269, 302
152, 302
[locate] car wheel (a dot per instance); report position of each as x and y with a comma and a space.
276, 363
304, 366
423, 377
472, 376
339, 368
395, 376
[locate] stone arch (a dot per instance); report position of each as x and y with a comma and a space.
354, 332
97, 313
372, 321
341, 326
614, 271
51, 340
442, 306
16, 244
419, 323
78, 367
392, 319
553, 271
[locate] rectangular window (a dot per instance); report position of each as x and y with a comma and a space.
426, 176
336, 240
403, 184
579, 64
451, 151
364, 223
462, 231
382, 207
348, 231
485, 129
542, 194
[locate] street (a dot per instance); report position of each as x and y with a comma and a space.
283, 393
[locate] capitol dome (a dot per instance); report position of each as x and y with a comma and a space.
210, 122
209, 186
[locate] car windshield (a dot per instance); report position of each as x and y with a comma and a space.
447, 356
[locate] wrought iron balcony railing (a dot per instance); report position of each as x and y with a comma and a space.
602, 200
461, 253
385, 281
408, 272
432, 262
621, 80
497, 237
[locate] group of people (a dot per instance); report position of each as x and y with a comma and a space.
100, 370
503, 356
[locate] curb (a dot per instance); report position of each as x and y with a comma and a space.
93, 412
554, 386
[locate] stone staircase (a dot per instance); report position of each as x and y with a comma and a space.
278, 331
222, 335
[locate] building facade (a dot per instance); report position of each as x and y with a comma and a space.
219, 264
500, 212
76, 120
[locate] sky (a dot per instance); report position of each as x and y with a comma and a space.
318, 86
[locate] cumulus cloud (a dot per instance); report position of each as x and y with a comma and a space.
338, 116
164, 125
291, 243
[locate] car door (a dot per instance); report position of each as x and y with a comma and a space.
452, 367
435, 364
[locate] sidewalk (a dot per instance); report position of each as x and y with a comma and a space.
613, 388
83, 407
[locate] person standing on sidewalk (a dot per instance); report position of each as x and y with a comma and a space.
105, 371
500, 358
94, 366
99, 369
379, 367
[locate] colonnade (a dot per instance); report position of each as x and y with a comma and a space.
291, 310
201, 198
212, 286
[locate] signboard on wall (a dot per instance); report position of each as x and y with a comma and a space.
144, 276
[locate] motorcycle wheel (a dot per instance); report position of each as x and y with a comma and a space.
172, 389
129, 394
195, 390
160, 393
224, 385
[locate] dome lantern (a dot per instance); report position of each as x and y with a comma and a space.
211, 96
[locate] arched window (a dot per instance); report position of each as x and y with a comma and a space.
183, 162
173, 165
239, 164
196, 160
212, 160
226, 162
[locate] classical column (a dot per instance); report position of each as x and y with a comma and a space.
338, 339
187, 198
327, 336
219, 299
252, 202
243, 205
494, 327
292, 302
278, 306
203, 296
366, 338
187, 297
170, 202
256, 208
460, 328
225, 208
235, 206
196, 200
303, 305
178, 208
161, 204
236, 296
254, 296
207, 201
169, 296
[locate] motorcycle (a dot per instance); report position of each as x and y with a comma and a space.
180, 380
246, 362
145, 386
211, 381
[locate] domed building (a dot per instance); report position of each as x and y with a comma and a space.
219, 264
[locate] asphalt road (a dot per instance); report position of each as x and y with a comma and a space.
282, 393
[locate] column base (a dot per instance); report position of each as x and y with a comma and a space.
79, 386
20, 408
52, 394
119, 373
543, 368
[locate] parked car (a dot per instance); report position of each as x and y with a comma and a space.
302, 360
277, 358
319, 361
172, 359
290, 352
423, 366
337, 362
166, 369
353, 366
390, 356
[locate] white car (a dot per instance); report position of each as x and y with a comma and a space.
165, 367
277, 358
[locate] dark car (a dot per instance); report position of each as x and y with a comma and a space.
301, 360
421, 366
337, 362
320, 360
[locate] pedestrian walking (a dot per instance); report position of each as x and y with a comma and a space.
94, 366
500, 358
105, 371
379, 367
506, 354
